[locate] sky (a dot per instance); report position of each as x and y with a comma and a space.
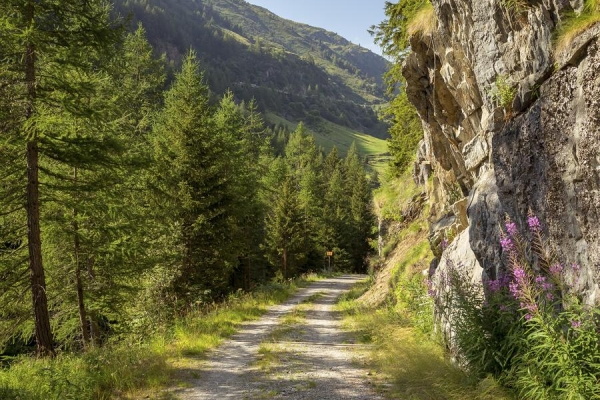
348, 18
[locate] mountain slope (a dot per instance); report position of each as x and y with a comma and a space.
294, 71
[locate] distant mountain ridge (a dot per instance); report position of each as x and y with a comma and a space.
293, 70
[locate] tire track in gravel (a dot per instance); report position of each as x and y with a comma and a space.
315, 357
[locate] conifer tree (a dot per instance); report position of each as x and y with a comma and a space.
330, 163
245, 130
192, 174
99, 230
140, 77
285, 240
305, 162
50, 38
336, 216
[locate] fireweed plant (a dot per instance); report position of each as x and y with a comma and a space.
529, 328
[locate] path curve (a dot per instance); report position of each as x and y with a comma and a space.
317, 361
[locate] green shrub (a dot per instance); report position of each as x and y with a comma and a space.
503, 93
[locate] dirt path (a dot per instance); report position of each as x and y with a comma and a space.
311, 358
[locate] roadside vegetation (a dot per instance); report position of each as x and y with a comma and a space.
130, 203
270, 351
529, 328
527, 333
408, 357
136, 368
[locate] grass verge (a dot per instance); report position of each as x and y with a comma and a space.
406, 359
135, 370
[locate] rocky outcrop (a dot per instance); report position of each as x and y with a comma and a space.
510, 126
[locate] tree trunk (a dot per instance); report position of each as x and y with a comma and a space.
43, 332
80, 302
95, 338
247, 274
284, 264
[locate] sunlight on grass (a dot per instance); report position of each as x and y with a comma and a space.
414, 363
269, 356
424, 21
330, 134
408, 360
270, 351
133, 370
574, 25
394, 194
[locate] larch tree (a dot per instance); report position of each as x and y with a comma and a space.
42, 40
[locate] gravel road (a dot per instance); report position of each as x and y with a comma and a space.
312, 359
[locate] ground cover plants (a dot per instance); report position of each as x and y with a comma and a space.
529, 328
126, 369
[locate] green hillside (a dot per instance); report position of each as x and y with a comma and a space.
292, 70
328, 134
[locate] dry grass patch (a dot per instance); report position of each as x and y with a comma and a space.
424, 21
576, 24
411, 365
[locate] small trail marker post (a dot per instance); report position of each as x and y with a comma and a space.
329, 254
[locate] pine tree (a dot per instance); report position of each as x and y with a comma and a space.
99, 229
330, 163
140, 78
337, 217
244, 128
305, 162
301, 150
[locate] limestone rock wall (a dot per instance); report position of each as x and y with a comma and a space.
490, 158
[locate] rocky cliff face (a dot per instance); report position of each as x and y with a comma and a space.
510, 125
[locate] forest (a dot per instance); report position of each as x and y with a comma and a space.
278, 63
127, 200
150, 213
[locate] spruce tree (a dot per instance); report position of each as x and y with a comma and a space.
330, 163
244, 129
337, 218
285, 240
193, 161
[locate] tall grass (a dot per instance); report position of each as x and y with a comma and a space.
424, 21
126, 369
413, 362
405, 350
575, 24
